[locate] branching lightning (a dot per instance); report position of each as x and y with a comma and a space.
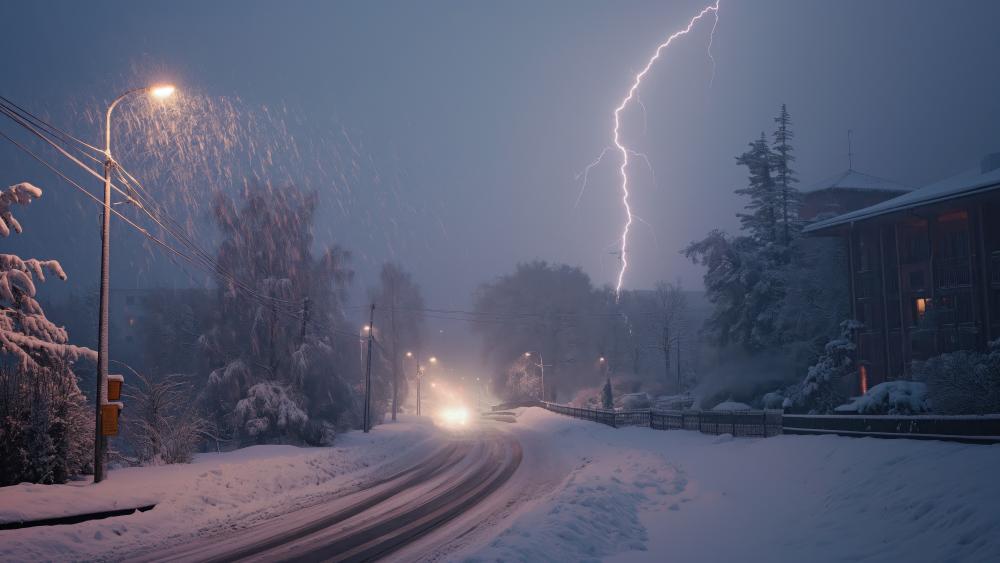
585, 173
623, 169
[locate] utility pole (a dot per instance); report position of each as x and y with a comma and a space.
368, 372
305, 319
419, 377
679, 366
102, 322
100, 444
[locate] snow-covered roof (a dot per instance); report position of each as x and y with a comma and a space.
967, 183
854, 180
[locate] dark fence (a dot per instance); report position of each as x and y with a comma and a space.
970, 429
737, 423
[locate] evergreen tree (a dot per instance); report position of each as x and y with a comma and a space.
784, 176
607, 396
45, 428
764, 207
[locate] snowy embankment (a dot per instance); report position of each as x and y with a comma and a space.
636, 494
216, 492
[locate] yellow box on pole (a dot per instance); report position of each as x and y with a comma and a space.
114, 389
109, 420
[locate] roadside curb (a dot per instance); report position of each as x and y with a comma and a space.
74, 519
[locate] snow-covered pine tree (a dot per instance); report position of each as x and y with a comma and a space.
764, 208
607, 395
784, 175
44, 426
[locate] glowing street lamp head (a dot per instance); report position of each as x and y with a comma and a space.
434, 360
527, 354
409, 354
601, 359
367, 328
162, 91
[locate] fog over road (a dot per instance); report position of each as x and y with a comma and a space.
375, 519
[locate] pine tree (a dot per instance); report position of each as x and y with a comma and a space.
784, 176
44, 427
607, 395
764, 207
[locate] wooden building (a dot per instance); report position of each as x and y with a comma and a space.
924, 271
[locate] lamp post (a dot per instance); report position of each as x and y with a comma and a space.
541, 366
159, 91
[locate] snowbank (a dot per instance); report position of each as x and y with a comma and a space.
636, 494
731, 406
216, 492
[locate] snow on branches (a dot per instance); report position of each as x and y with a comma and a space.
21, 194
25, 332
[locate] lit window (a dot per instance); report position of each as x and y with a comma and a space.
863, 376
921, 307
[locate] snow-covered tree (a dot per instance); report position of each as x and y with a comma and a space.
763, 208
523, 381
670, 321
542, 308
45, 430
399, 315
784, 175
607, 396
822, 389
264, 346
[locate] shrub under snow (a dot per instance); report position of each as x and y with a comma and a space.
819, 391
963, 382
891, 397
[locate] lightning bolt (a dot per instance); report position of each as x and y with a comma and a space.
585, 173
623, 170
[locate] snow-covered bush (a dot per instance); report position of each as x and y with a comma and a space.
635, 401
161, 422
46, 428
731, 405
962, 382
891, 397
269, 409
821, 391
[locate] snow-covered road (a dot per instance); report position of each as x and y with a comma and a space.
382, 517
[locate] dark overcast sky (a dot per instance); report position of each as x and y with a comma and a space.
472, 119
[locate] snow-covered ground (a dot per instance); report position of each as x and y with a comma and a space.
635, 494
217, 492
583, 492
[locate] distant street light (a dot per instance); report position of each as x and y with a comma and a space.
541, 366
159, 91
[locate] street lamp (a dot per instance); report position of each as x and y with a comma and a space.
541, 366
159, 91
